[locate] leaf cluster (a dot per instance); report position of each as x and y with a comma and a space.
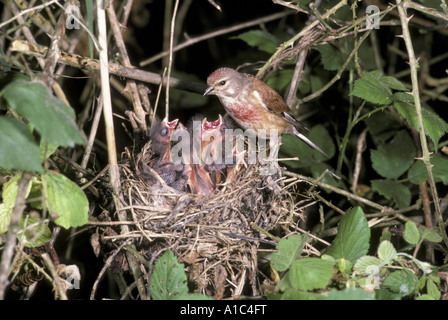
345, 271
35, 125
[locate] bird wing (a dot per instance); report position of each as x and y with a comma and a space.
273, 102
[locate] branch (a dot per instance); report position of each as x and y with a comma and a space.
26, 11
170, 59
11, 238
131, 86
81, 62
413, 64
304, 31
384, 211
110, 135
213, 34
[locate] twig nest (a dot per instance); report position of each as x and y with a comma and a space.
212, 234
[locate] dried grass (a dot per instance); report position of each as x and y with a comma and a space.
213, 236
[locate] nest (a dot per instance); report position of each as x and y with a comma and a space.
217, 237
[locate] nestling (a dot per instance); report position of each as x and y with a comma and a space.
255, 105
161, 145
161, 140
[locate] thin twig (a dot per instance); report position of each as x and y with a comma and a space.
92, 134
214, 34
105, 267
170, 61
383, 209
110, 136
131, 86
11, 238
29, 36
338, 74
360, 146
292, 96
53, 53
82, 62
23, 12
107, 101
290, 5
304, 31
426, 158
57, 284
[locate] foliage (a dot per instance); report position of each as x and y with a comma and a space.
33, 109
343, 272
356, 92
346, 272
169, 281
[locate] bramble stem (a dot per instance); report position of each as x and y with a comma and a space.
413, 65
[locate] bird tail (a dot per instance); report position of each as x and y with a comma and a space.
309, 142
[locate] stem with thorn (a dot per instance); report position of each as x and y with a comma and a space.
413, 65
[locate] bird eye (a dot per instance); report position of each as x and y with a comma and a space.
222, 83
164, 132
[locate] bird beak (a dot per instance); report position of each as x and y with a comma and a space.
170, 124
204, 123
209, 89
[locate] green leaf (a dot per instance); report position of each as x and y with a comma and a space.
291, 146
5, 217
350, 294
294, 147
334, 55
382, 126
393, 83
332, 58
168, 279
425, 297
372, 89
289, 250
316, 83
321, 137
18, 149
259, 39
386, 251
403, 282
418, 172
352, 240
318, 168
46, 149
384, 294
392, 159
393, 190
433, 290
430, 235
344, 266
435, 126
10, 190
411, 234
367, 265
66, 201
36, 236
293, 294
310, 274
9, 195
51, 117
280, 79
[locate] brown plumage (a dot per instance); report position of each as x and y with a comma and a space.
255, 105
